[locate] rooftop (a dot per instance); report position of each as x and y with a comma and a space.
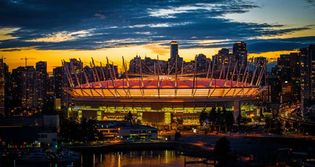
165, 82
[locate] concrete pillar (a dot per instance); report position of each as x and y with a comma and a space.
237, 111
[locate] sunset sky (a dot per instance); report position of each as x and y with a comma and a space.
52, 30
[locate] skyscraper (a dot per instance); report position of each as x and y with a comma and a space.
202, 63
308, 75
2, 88
288, 74
134, 65
41, 84
174, 50
311, 56
58, 83
23, 86
8, 98
240, 52
174, 62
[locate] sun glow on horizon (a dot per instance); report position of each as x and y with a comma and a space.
14, 57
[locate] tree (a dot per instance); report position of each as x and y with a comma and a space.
70, 130
89, 130
219, 118
129, 118
229, 120
212, 116
202, 117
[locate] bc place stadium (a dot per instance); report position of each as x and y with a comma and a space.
157, 99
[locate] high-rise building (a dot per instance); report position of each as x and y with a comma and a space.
23, 80
202, 63
174, 50
288, 75
8, 98
223, 56
134, 65
174, 62
308, 75
262, 63
2, 88
58, 84
41, 84
240, 52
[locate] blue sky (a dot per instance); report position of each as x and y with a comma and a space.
266, 25
98, 24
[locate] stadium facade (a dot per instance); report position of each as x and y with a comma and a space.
161, 99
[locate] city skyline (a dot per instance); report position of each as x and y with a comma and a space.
97, 33
157, 83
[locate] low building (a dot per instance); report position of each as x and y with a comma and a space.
124, 130
48, 137
21, 131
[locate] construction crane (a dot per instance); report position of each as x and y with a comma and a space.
25, 60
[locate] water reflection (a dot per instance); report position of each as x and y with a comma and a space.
164, 158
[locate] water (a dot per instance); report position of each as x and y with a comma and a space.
154, 158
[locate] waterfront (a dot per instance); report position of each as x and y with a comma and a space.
166, 158
152, 158
194, 150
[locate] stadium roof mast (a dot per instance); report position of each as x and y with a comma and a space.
234, 69
227, 73
95, 70
93, 73
102, 71
254, 75
126, 74
176, 84
141, 77
261, 74
77, 79
212, 71
158, 76
211, 77
68, 76
239, 74
111, 75
194, 78
208, 70
182, 70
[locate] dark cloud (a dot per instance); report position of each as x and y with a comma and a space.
279, 44
311, 2
11, 50
112, 23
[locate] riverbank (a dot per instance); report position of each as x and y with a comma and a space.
190, 149
262, 150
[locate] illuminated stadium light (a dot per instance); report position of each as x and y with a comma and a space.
186, 86
165, 88
159, 97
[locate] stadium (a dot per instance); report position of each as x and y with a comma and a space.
160, 93
158, 100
